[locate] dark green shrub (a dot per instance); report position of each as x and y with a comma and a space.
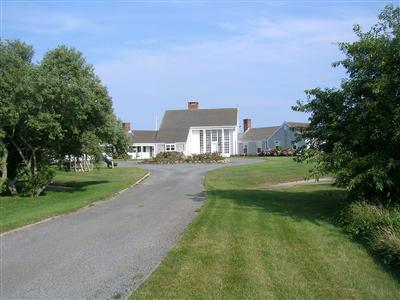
378, 227
34, 185
169, 157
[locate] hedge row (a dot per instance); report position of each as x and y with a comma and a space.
378, 227
175, 157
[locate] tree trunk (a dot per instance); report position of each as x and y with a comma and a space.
11, 186
34, 166
3, 164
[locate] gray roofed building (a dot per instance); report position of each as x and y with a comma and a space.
297, 124
176, 123
142, 136
190, 131
256, 140
260, 133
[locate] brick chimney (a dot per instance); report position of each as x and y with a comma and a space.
126, 126
193, 105
246, 124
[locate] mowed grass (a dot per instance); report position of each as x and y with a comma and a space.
278, 169
85, 187
257, 244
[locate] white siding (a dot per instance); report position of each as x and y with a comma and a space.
194, 142
146, 151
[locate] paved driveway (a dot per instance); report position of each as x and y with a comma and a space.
106, 250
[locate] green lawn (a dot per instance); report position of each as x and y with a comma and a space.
268, 244
86, 188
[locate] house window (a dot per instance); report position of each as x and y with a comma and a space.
208, 141
258, 150
169, 147
214, 136
201, 141
277, 143
245, 149
144, 148
226, 141
214, 141
139, 149
219, 141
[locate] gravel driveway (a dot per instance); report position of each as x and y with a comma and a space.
106, 250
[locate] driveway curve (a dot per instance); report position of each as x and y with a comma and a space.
107, 250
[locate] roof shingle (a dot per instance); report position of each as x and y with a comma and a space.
143, 136
176, 123
255, 134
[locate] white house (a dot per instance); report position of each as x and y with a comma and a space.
142, 143
191, 131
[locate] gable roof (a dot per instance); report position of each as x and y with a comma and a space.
297, 124
176, 123
143, 136
260, 133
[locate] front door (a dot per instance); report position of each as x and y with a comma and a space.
214, 147
151, 151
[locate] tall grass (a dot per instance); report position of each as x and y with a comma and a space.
378, 227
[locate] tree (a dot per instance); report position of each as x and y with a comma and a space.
354, 130
27, 126
50, 110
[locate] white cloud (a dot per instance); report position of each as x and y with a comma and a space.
45, 21
260, 43
265, 64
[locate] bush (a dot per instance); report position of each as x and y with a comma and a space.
169, 157
278, 151
378, 227
34, 185
205, 157
174, 157
124, 156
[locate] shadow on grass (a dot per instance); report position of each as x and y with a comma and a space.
317, 206
64, 187
313, 206
199, 197
74, 186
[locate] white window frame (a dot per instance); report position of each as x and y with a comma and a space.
170, 147
277, 143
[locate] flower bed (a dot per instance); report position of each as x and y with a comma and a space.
278, 151
174, 157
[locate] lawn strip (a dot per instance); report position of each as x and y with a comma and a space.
86, 188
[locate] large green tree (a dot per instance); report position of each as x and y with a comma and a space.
28, 127
355, 129
50, 110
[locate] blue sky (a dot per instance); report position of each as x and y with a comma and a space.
258, 56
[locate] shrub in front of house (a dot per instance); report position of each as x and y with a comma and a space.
378, 227
170, 157
173, 157
205, 158
287, 152
278, 151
